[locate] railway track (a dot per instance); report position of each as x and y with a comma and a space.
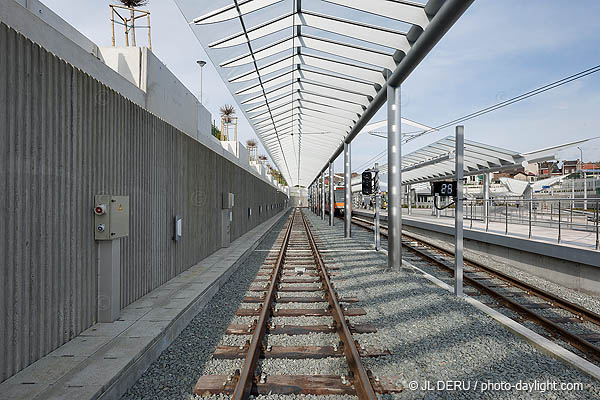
286, 278
553, 313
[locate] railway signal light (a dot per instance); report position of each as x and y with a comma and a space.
367, 183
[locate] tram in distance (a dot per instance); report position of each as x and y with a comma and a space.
338, 201
358, 201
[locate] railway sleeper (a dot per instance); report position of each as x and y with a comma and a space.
300, 312
299, 299
241, 329
319, 385
295, 352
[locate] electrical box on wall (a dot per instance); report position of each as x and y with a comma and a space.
228, 200
178, 228
111, 217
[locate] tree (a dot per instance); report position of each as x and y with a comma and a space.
251, 145
131, 4
216, 132
227, 116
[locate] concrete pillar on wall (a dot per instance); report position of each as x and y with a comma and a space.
394, 144
109, 280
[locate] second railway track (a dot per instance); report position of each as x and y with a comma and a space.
533, 304
297, 275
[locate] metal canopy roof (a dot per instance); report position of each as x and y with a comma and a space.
436, 161
309, 74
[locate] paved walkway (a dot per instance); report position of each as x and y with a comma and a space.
569, 237
107, 358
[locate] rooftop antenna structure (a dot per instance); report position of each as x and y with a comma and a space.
128, 22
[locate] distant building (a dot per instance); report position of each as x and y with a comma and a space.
547, 168
522, 174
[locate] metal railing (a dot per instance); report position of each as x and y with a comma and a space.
556, 213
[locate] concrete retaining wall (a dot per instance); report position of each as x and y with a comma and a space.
65, 137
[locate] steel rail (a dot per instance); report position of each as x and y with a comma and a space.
576, 341
581, 312
362, 383
243, 388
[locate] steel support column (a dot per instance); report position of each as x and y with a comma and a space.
394, 151
331, 199
322, 195
347, 192
458, 214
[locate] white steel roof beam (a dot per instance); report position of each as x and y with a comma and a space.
367, 74
230, 12
405, 11
286, 102
343, 99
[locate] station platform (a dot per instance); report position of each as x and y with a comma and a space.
544, 234
106, 359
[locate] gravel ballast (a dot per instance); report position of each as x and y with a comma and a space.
173, 375
433, 336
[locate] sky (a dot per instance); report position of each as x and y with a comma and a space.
496, 50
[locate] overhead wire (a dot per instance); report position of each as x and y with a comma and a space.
489, 109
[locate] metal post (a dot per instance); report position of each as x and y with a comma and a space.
486, 198
347, 192
394, 151
471, 226
201, 81
377, 230
331, 200
559, 221
530, 207
436, 201
409, 191
597, 215
458, 215
572, 198
487, 217
584, 191
506, 219
323, 195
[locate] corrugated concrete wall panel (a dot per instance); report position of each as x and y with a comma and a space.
65, 137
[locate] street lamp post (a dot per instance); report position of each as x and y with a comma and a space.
201, 63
